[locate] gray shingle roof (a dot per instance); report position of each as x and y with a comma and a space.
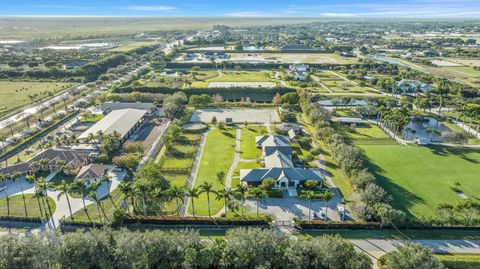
258, 175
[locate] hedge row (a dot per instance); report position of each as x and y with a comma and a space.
173, 220
235, 93
460, 261
246, 66
21, 219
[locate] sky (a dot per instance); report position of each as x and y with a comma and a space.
247, 8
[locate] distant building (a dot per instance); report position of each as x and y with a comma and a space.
413, 86
108, 107
74, 64
296, 48
216, 55
348, 54
169, 74
299, 71
252, 48
189, 57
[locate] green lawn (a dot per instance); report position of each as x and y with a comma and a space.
57, 180
346, 113
363, 132
91, 117
419, 178
468, 70
134, 45
17, 207
15, 94
248, 150
92, 210
218, 155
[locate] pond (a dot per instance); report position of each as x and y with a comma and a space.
355, 102
422, 127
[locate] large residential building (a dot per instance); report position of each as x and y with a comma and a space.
277, 155
72, 159
123, 121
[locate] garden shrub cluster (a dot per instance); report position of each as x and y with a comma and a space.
239, 248
371, 201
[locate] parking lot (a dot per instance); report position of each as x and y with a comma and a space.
237, 115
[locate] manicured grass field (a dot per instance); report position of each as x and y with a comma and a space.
14, 94
363, 133
218, 155
204, 77
466, 70
419, 178
17, 207
91, 117
248, 150
338, 84
108, 207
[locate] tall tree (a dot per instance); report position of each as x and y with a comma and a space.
207, 187
64, 189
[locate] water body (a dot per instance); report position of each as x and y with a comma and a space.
356, 102
421, 125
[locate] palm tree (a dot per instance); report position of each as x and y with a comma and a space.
176, 193
64, 189
44, 186
106, 178
192, 194
207, 188
80, 185
224, 194
8, 202
93, 194
39, 196
161, 196
126, 189
309, 196
24, 203
413, 132
257, 193
242, 191
326, 196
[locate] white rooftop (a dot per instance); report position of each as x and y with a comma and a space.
122, 121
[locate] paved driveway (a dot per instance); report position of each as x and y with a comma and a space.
287, 208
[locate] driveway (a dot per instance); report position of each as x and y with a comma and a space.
288, 208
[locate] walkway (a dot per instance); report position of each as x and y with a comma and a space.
375, 248
191, 180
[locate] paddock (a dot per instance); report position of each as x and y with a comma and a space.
263, 115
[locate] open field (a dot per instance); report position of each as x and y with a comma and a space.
445, 63
15, 94
464, 61
218, 155
27, 28
226, 78
242, 84
248, 150
237, 115
419, 178
308, 58
134, 45
338, 84
17, 207
465, 70
364, 134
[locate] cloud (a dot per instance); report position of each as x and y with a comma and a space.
152, 8
248, 14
